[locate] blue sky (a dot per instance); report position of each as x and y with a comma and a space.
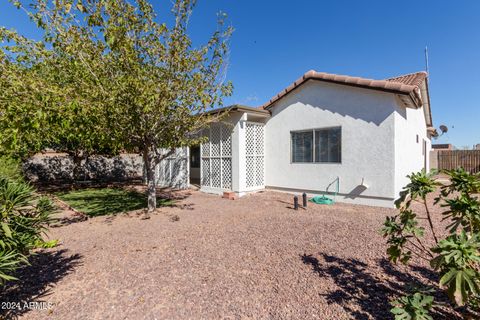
275, 42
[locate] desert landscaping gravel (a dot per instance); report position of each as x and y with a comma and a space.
212, 258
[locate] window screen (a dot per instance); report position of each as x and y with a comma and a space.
302, 146
318, 145
328, 145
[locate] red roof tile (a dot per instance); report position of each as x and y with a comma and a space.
413, 79
403, 85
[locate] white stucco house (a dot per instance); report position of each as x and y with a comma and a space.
368, 134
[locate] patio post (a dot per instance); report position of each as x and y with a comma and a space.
238, 156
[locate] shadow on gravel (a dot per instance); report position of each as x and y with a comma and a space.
45, 269
368, 287
65, 221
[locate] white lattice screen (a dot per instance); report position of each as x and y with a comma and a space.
254, 149
217, 157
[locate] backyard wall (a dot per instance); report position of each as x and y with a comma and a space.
58, 168
433, 159
367, 121
453, 159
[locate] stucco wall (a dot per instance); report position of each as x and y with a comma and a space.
408, 152
433, 157
367, 120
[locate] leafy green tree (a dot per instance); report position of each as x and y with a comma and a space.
456, 257
106, 76
48, 99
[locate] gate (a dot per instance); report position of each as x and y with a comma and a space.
173, 171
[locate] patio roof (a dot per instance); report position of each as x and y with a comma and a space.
242, 108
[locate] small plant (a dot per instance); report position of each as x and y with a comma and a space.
457, 260
46, 244
415, 306
23, 218
456, 257
9, 262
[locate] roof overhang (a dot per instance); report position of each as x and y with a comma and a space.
411, 89
407, 91
426, 101
244, 109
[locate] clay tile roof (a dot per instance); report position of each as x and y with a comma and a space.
404, 85
412, 79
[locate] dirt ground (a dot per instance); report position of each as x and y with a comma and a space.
212, 258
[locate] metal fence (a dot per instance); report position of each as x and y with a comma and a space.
452, 159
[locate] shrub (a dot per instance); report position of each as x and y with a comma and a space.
23, 218
10, 168
456, 257
414, 306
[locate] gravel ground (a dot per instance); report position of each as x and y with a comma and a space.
251, 258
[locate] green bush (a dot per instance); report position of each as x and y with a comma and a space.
10, 168
23, 218
414, 306
455, 257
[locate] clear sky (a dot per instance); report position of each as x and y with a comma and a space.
275, 42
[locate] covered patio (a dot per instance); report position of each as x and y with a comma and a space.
233, 157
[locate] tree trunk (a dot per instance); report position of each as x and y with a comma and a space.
77, 163
151, 181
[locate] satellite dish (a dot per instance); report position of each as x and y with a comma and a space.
443, 129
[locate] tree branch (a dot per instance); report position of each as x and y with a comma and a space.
430, 220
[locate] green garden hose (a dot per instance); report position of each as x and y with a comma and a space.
323, 199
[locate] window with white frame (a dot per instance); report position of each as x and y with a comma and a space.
317, 145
